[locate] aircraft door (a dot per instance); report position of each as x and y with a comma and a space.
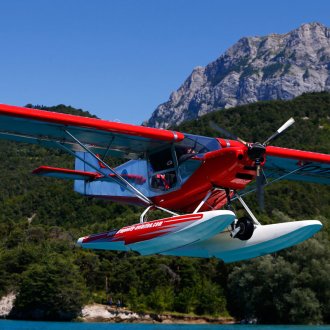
163, 169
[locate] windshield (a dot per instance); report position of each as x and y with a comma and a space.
197, 144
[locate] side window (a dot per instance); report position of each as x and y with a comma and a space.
161, 160
163, 171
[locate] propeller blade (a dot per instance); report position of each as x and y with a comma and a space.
260, 180
227, 134
285, 126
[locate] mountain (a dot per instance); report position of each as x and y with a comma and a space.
277, 66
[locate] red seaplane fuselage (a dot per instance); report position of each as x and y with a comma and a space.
229, 167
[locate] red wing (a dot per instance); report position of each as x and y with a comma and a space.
297, 165
49, 129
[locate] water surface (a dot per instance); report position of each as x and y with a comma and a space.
28, 325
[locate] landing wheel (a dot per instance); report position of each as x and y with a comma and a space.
246, 226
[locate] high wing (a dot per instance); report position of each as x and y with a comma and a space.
56, 130
297, 165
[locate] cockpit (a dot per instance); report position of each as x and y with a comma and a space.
173, 165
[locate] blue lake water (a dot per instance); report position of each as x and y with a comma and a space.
25, 325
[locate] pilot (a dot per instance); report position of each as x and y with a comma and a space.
186, 154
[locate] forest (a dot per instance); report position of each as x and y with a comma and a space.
40, 220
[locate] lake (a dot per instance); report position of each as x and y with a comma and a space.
27, 325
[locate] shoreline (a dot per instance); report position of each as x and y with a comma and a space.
104, 313
6, 304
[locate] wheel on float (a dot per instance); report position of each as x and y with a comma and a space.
246, 226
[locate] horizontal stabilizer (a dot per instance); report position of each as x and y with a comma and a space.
64, 173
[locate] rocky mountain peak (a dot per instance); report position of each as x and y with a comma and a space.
277, 66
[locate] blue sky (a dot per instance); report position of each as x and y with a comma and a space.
119, 59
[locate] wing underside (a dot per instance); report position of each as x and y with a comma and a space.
50, 129
297, 165
291, 169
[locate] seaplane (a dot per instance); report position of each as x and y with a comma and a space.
193, 179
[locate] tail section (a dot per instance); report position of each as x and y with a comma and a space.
108, 186
92, 178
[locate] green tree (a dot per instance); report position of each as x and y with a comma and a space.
210, 299
50, 290
185, 301
292, 287
302, 307
161, 299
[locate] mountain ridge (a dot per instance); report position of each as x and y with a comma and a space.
276, 66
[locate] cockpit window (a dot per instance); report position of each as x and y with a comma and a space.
200, 144
162, 160
195, 144
170, 166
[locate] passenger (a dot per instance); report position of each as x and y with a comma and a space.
161, 182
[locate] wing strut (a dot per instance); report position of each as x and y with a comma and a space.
274, 180
124, 182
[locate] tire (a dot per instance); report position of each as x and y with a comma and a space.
246, 228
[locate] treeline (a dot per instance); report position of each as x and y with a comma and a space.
40, 220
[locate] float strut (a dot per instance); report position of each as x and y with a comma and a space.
255, 220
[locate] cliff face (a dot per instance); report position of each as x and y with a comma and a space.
255, 68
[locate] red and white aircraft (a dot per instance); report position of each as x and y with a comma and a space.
193, 178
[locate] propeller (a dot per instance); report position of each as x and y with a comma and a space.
285, 126
229, 135
256, 152
260, 181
